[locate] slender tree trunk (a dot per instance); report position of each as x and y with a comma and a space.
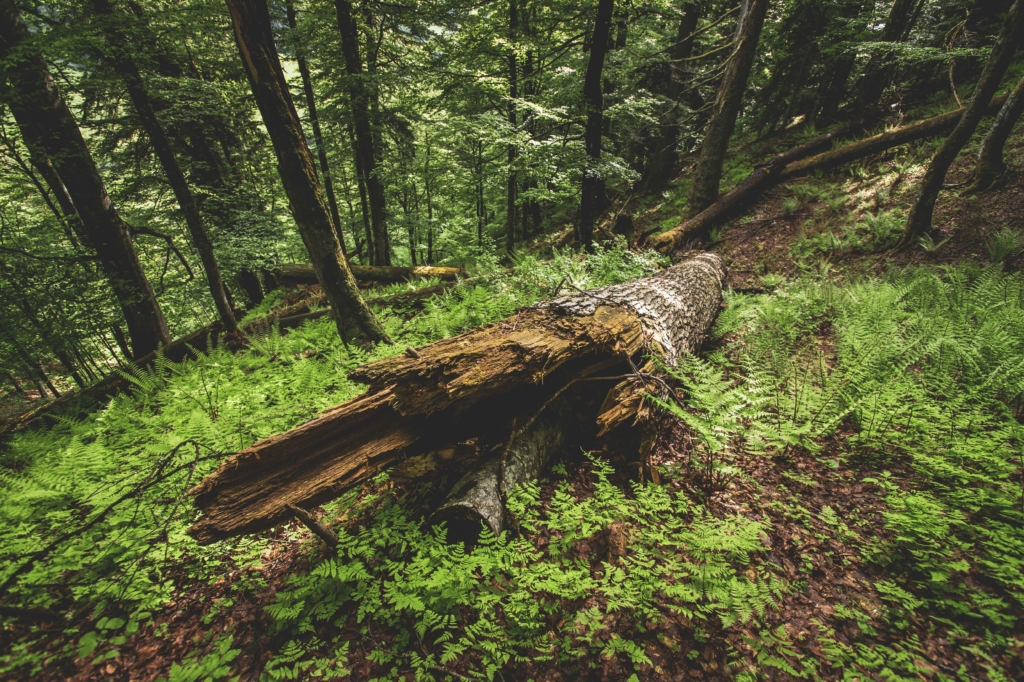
351, 212
359, 105
49, 127
836, 90
42, 381
878, 71
591, 196
919, 221
513, 94
32, 365
990, 172
481, 208
318, 136
251, 22
364, 203
84, 365
430, 205
708, 175
65, 212
118, 41
664, 155
17, 386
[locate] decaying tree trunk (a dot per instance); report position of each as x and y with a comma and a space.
301, 273
424, 408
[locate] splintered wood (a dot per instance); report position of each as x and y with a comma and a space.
472, 386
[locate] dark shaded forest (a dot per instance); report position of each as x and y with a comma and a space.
511, 341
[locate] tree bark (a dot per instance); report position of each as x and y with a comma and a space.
364, 202
592, 191
251, 22
990, 171
796, 162
49, 128
513, 152
477, 385
479, 496
118, 42
365, 152
708, 174
919, 221
318, 136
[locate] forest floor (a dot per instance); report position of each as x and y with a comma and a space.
855, 513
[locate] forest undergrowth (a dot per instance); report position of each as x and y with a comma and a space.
837, 494
905, 390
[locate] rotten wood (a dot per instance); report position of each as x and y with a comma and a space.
473, 386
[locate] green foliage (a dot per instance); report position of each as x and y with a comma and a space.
925, 368
497, 603
213, 667
1004, 246
58, 479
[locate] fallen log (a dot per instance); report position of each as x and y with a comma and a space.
474, 388
798, 162
302, 273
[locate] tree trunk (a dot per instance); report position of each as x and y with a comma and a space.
122, 342
513, 94
371, 258
300, 273
592, 192
878, 71
919, 221
49, 128
359, 105
118, 43
797, 162
708, 173
658, 170
419, 406
32, 365
251, 22
990, 171
318, 136
17, 386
